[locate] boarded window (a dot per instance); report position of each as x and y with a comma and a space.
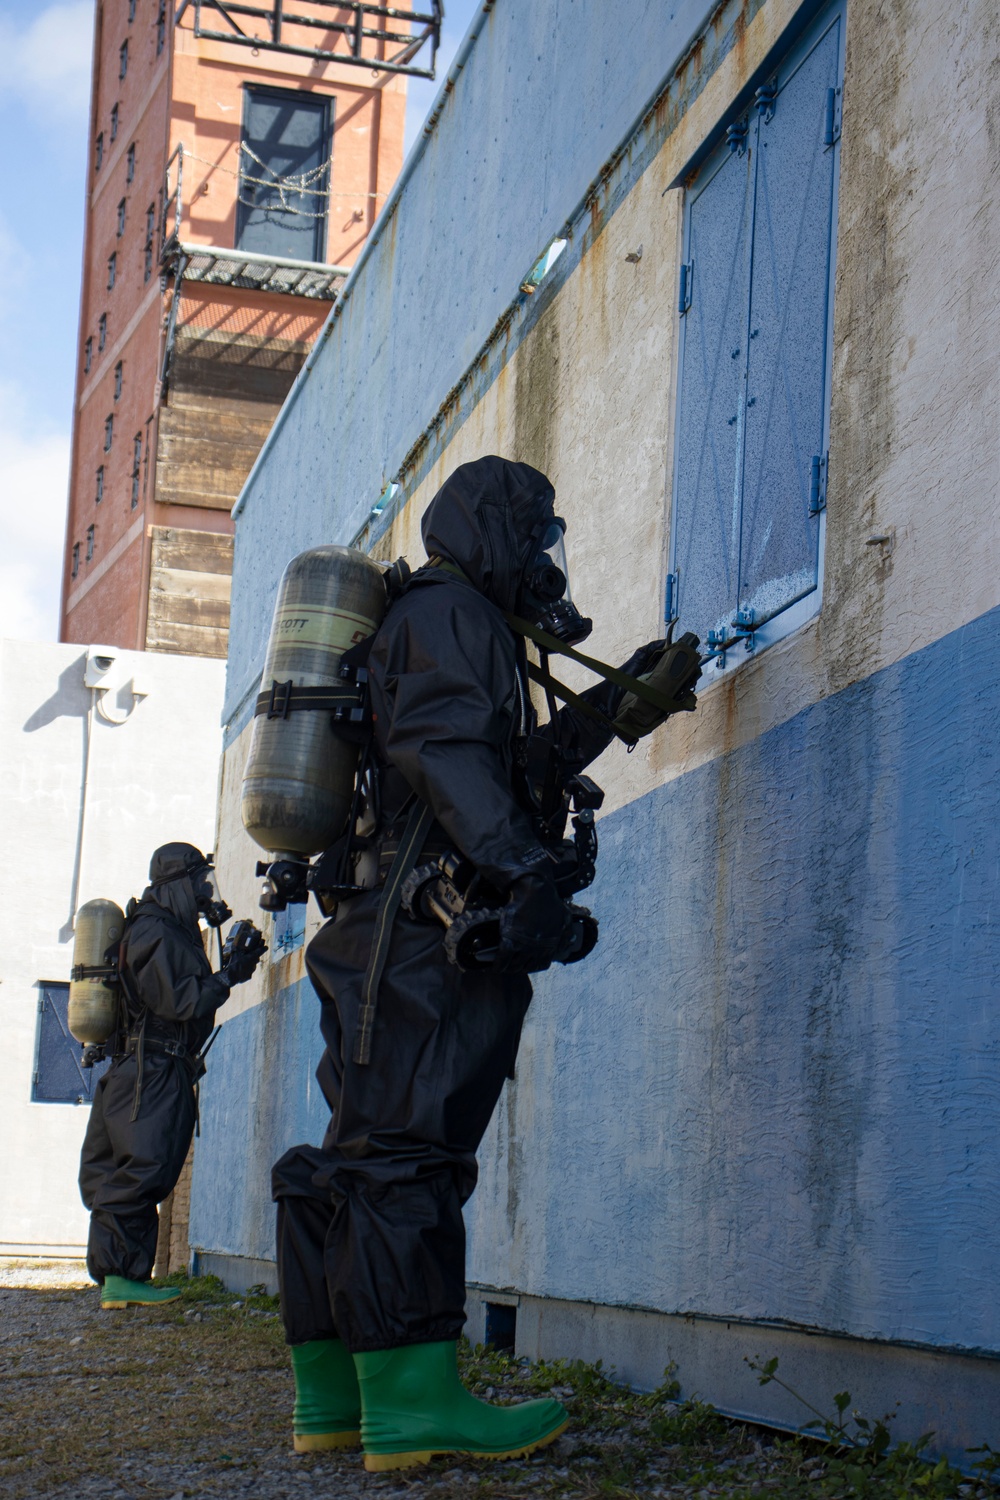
756, 293
284, 174
59, 1076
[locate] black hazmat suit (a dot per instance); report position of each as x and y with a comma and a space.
170, 996
371, 1241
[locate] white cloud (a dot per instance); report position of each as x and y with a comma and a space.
46, 62
34, 477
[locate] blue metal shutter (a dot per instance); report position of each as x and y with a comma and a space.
708, 456
285, 136
787, 346
59, 1077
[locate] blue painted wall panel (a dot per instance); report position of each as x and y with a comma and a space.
774, 1090
258, 1097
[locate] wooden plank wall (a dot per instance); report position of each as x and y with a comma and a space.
189, 582
224, 393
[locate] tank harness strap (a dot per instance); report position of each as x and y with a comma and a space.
417, 826
549, 643
544, 678
284, 698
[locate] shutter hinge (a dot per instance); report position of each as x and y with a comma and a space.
743, 627
35, 1077
736, 137
684, 293
764, 100
41, 1006
670, 599
831, 130
817, 484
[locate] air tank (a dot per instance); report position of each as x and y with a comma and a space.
93, 1005
299, 775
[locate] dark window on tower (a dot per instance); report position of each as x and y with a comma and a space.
114, 122
284, 173
102, 332
123, 59
147, 265
112, 270
150, 223
130, 163
90, 542
109, 432
118, 379
99, 495
88, 356
99, 152
131, 10
136, 462
76, 558
161, 27
121, 218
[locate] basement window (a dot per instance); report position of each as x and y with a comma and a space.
90, 543
118, 380
99, 152
102, 332
109, 433
59, 1076
114, 122
76, 559
755, 300
130, 163
88, 355
123, 59
121, 218
99, 492
543, 265
112, 270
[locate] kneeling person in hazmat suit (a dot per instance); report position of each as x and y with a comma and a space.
371, 1242
145, 1106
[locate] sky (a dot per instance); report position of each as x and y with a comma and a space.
45, 54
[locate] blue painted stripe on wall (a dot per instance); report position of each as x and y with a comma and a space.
773, 1091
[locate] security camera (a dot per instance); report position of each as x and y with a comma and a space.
100, 660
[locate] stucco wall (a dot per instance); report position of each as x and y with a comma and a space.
149, 780
771, 1093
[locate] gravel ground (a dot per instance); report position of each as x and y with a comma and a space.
193, 1399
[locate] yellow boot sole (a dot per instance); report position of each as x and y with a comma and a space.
379, 1463
322, 1442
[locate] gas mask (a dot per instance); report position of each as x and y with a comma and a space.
545, 597
207, 899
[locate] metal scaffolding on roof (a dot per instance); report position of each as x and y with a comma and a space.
281, 30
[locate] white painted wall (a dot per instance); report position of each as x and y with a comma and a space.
76, 827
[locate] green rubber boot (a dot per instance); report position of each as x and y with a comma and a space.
413, 1406
327, 1400
118, 1291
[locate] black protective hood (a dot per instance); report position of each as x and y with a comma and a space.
483, 518
170, 871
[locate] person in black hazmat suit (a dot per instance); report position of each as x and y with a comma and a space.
371, 1242
145, 1106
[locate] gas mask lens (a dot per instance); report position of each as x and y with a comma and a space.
549, 578
209, 902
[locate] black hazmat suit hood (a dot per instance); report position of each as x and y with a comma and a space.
484, 519
170, 883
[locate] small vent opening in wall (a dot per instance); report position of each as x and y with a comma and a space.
501, 1327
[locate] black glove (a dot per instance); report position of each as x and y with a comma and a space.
533, 925
241, 952
672, 671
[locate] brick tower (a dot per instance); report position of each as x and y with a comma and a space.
240, 155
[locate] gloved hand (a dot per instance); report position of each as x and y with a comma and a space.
532, 925
673, 671
241, 952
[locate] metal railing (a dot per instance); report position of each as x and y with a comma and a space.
368, 31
